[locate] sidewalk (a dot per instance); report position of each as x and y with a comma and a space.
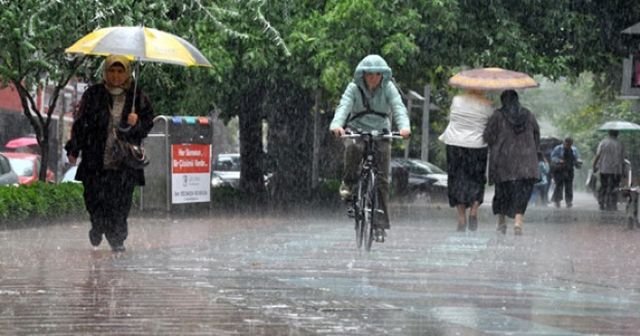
584, 209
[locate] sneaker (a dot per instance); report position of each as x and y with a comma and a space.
345, 192
95, 238
379, 235
569, 205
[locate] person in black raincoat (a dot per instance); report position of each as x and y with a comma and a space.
513, 136
106, 111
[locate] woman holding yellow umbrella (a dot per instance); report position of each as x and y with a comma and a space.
117, 109
107, 112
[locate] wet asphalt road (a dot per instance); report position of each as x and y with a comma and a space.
573, 272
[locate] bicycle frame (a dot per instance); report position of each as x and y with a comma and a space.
365, 202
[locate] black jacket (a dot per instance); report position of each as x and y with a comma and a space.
89, 130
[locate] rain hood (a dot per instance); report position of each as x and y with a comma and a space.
384, 99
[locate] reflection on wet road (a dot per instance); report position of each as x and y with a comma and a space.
574, 272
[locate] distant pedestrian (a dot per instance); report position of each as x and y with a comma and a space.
609, 161
105, 112
467, 155
564, 159
539, 195
513, 136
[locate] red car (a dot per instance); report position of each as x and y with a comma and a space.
27, 167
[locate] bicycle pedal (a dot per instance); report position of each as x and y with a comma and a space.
351, 213
379, 236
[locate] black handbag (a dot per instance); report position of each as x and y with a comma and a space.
128, 154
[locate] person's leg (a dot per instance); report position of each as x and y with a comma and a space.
558, 190
517, 227
473, 216
352, 158
502, 224
120, 196
462, 217
603, 191
93, 196
498, 206
568, 190
383, 155
613, 195
606, 190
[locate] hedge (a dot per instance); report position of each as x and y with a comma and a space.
40, 200
46, 201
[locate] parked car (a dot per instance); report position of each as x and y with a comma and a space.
423, 179
27, 167
226, 170
7, 175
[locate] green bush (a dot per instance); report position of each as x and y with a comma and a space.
40, 200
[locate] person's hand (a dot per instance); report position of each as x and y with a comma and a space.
132, 119
405, 133
72, 159
338, 131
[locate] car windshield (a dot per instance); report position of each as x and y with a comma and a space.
227, 163
22, 167
422, 167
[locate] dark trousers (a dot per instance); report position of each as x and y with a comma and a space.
607, 194
564, 182
108, 196
352, 158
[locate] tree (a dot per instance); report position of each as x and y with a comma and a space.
33, 35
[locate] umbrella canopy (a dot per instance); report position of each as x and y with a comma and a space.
619, 125
139, 43
21, 142
492, 79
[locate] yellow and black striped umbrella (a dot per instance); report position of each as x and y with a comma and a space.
141, 44
492, 79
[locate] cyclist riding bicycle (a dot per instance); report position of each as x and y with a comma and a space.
368, 103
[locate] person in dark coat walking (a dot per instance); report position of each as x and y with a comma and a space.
106, 112
513, 136
564, 159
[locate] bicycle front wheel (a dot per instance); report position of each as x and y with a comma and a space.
370, 204
358, 209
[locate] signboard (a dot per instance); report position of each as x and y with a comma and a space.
190, 173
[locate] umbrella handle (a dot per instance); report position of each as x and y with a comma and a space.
135, 86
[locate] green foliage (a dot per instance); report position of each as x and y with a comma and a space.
40, 200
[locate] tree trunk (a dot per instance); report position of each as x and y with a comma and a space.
250, 122
291, 143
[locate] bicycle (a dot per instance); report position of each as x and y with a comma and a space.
365, 200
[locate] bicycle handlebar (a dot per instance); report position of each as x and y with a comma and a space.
373, 134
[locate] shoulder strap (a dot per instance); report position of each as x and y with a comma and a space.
365, 102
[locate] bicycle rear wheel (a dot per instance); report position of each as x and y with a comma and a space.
370, 204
